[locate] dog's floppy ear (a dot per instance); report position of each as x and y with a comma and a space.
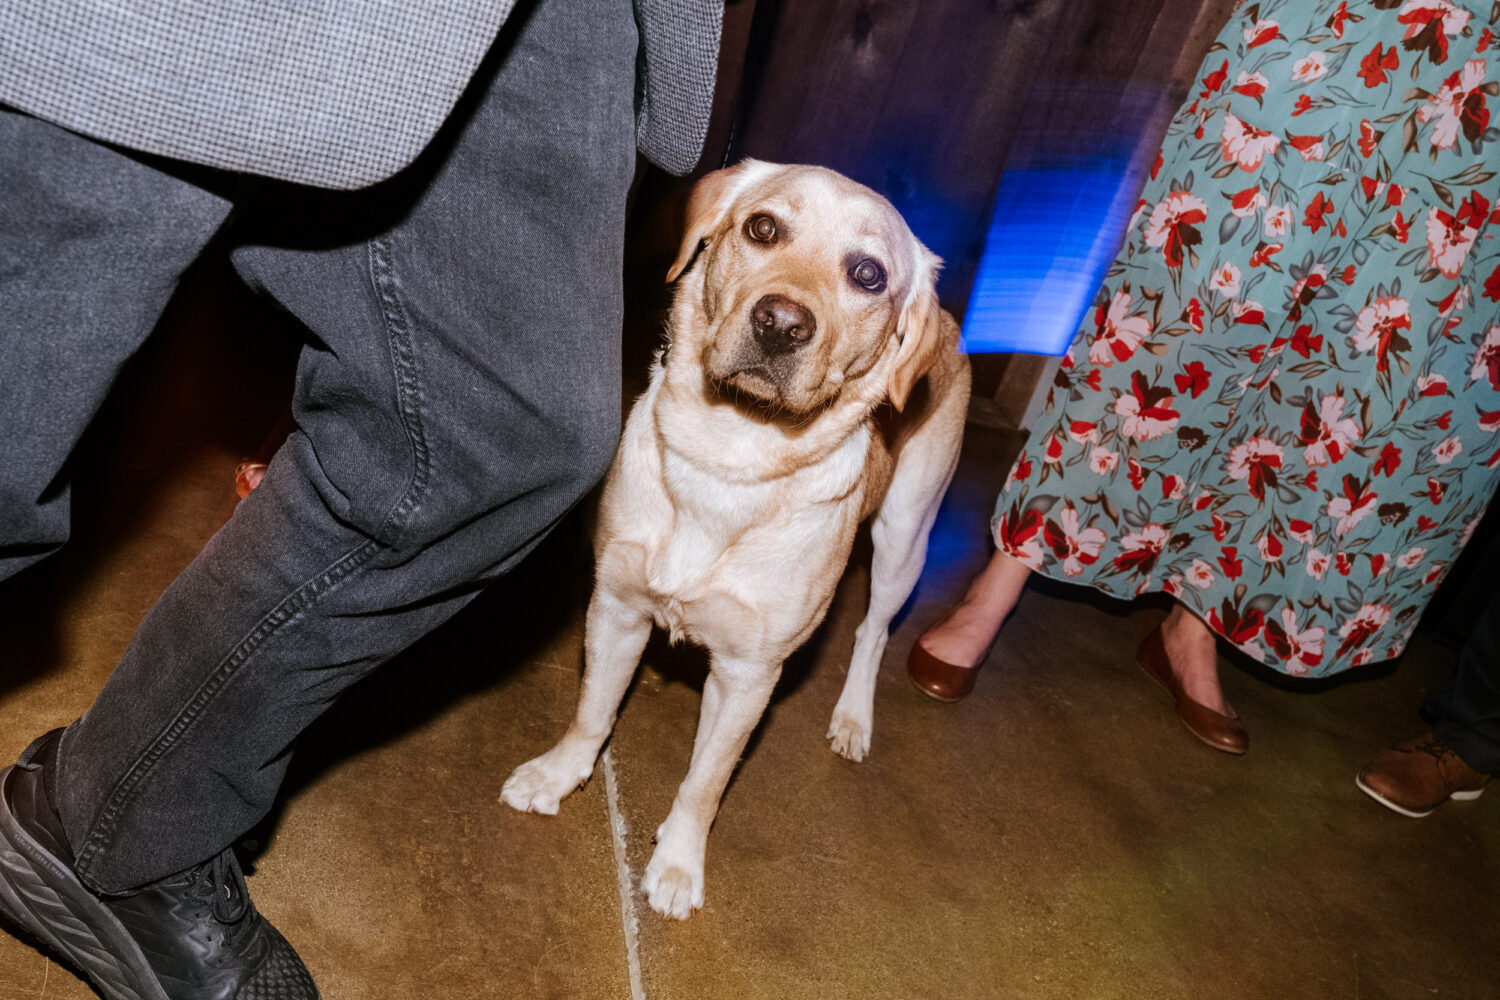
920, 330
711, 199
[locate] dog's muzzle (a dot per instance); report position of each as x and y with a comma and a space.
781, 325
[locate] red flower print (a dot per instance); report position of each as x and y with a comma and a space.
1019, 536
1119, 332
1140, 550
1301, 650
1174, 225
1304, 103
1256, 462
1371, 187
1353, 507
1250, 84
1261, 33
1247, 201
1213, 81
1316, 210
1435, 490
1348, 276
1394, 195
1156, 164
1054, 450
1021, 470
1076, 547
1146, 411
1486, 361
1336, 22
1194, 314
1389, 461
1250, 312
1485, 40
1377, 564
1378, 328
1428, 25
1083, 431
1310, 146
1344, 563
1238, 628
1369, 138
1137, 477
1449, 237
1326, 432
1489, 420
1270, 547
1400, 228
1425, 523
1445, 420
1372, 68
1244, 144
1220, 528
1095, 380
1304, 343
1230, 562
1458, 105
1262, 254
1432, 384
1365, 623
1492, 285
1194, 379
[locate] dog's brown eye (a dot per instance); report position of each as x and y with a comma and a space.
869, 275
761, 228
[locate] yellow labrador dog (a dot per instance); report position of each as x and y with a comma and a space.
810, 380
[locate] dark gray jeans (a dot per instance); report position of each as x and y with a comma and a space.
460, 394
1465, 712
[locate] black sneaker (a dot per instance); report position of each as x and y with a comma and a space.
195, 936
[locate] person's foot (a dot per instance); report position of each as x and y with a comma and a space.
1175, 659
1415, 777
945, 660
195, 936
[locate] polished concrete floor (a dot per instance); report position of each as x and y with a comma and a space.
1058, 835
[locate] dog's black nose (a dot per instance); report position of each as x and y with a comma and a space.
780, 324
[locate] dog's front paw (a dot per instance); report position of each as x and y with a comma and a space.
672, 889
539, 785
849, 736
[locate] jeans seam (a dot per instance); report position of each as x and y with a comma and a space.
409, 401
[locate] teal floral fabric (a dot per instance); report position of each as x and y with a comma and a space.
1284, 407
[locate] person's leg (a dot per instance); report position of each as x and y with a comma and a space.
1465, 713
92, 243
944, 661
461, 394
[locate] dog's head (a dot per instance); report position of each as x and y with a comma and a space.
809, 288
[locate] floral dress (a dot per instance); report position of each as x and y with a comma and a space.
1284, 409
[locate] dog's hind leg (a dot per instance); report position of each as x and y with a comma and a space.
734, 698
615, 634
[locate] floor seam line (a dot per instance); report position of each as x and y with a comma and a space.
630, 924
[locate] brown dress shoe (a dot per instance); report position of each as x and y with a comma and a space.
1415, 777
1222, 732
938, 678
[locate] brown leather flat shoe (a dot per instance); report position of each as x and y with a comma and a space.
1222, 732
938, 678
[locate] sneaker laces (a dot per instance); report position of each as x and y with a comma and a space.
225, 882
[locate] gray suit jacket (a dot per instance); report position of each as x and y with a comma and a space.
335, 93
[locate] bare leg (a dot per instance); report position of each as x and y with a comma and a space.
1193, 653
964, 635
